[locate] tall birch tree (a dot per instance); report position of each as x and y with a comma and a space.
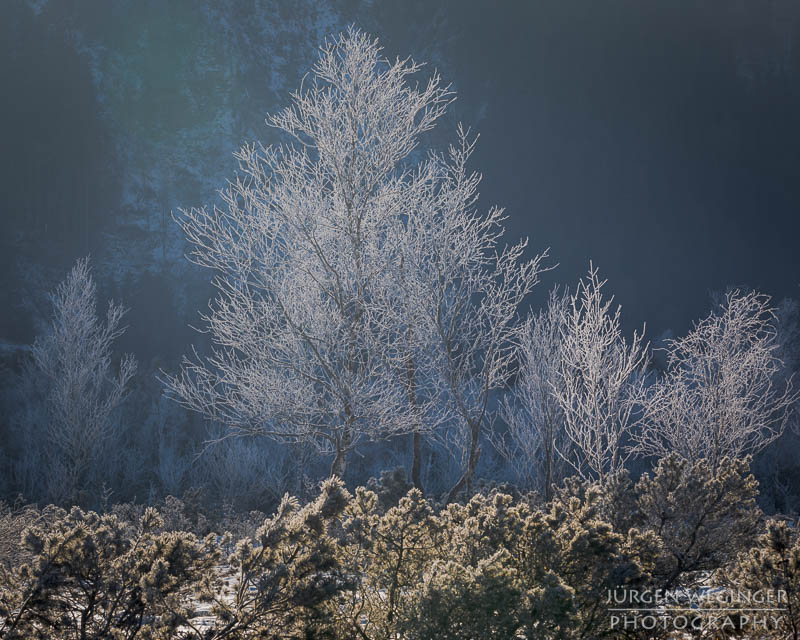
358, 292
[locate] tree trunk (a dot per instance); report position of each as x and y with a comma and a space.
465, 481
416, 464
416, 438
339, 465
548, 475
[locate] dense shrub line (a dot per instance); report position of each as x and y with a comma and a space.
368, 565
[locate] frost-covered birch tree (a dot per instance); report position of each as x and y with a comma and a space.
535, 442
299, 251
359, 295
602, 381
722, 394
81, 390
460, 290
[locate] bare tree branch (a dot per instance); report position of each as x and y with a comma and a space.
721, 395
602, 381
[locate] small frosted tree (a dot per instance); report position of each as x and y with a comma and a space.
81, 390
534, 418
602, 382
459, 291
722, 394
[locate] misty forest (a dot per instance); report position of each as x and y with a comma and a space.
399, 320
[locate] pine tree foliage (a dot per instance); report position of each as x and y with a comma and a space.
387, 552
492, 567
344, 566
280, 578
702, 515
772, 567
94, 577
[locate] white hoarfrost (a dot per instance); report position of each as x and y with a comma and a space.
82, 391
358, 295
460, 292
723, 393
535, 443
602, 382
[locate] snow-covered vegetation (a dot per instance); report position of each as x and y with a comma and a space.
384, 564
374, 436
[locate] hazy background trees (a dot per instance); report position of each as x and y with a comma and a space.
72, 393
